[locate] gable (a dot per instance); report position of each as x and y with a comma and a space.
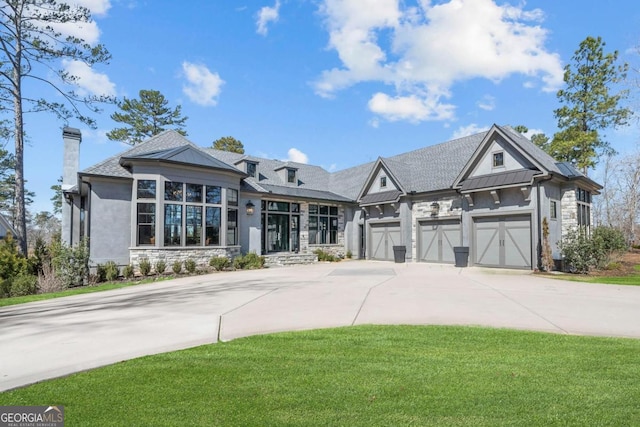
498, 150
513, 160
381, 186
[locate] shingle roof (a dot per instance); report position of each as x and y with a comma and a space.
186, 154
111, 167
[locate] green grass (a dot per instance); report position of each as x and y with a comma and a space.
78, 291
632, 280
362, 376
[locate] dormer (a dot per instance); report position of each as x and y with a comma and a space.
250, 167
288, 174
382, 185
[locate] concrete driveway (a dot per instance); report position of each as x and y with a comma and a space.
53, 338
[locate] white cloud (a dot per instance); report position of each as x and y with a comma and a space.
265, 16
203, 86
413, 108
90, 82
472, 129
487, 103
423, 51
97, 7
297, 156
532, 132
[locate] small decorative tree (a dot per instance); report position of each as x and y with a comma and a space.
547, 256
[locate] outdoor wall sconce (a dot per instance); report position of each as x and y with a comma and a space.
435, 209
250, 207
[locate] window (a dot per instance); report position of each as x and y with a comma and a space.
146, 223
251, 169
323, 225
553, 209
232, 217
584, 207
498, 159
172, 225
213, 195
193, 234
291, 175
173, 191
146, 189
194, 193
383, 181
190, 216
212, 226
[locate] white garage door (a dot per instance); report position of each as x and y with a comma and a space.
502, 241
382, 239
436, 240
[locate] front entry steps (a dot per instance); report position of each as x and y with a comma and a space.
280, 259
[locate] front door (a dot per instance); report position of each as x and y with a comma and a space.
277, 233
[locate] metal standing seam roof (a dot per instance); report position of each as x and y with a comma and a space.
381, 197
503, 179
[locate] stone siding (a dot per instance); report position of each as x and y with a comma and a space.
170, 255
289, 259
569, 210
450, 207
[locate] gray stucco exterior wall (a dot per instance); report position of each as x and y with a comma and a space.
111, 221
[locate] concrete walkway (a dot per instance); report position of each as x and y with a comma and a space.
53, 338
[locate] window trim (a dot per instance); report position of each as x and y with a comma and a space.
383, 182
494, 157
553, 209
291, 176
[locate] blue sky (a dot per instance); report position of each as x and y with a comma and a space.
335, 82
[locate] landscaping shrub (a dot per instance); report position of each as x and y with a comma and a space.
190, 266
608, 245
101, 273
12, 263
582, 252
250, 261
144, 266
128, 271
160, 266
70, 263
219, 263
5, 288
349, 255
177, 267
112, 271
39, 257
325, 256
48, 281
24, 284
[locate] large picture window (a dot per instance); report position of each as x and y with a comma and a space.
146, 216
172, 225
232, 217
323, 225
212, 226
584, 207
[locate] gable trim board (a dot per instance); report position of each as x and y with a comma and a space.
477, 203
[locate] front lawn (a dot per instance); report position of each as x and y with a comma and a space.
362, 376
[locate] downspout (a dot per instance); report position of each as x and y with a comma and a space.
87, 213
539, 225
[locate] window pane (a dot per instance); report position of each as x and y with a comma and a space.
146, 189
333, 230
333, 210
324, 210
279, 206
291, 175
212, 233
323, 225
173, 191
194, 193
313, 209
172, 225
295, 207
554, 213
251, 169
232, 197
193, 232
146, 223
213, 195
232, 227
498, 159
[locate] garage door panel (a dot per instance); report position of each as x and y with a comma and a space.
487, 246
503, 241
436, 240
382, 239
517, 244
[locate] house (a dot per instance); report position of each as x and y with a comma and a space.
169, 199
6, 228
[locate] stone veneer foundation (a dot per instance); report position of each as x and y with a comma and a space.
170, 255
